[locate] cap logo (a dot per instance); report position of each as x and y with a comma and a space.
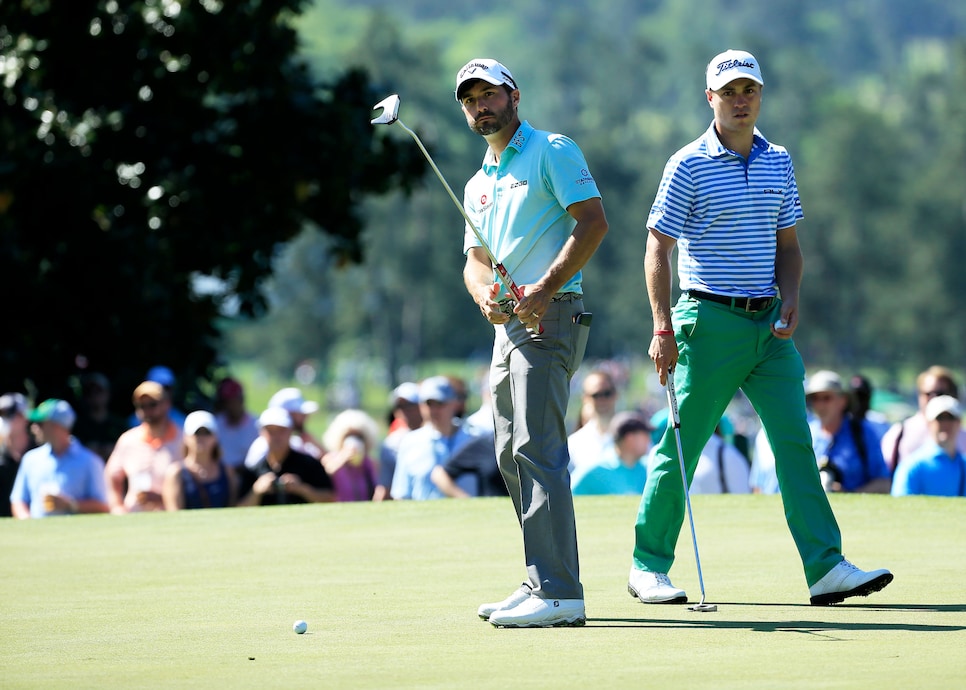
471, 68
734, 64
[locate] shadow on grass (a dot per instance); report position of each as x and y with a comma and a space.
713, 620
928, 608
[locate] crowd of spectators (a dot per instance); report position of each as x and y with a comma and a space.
60, 458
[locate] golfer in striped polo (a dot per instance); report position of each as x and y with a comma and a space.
729, 202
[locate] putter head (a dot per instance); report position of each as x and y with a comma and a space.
390, 110
704, 608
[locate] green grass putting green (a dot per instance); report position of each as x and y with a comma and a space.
203, 599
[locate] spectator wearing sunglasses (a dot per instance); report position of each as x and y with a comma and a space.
938, 468
908, 436
137, 467
598, 404
846, 447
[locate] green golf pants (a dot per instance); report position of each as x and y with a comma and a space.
722, 349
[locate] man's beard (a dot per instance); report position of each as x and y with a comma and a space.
501, 118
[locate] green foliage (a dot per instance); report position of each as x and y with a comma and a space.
150, 143
868, 98
147, 143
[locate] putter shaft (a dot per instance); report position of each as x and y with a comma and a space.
390, 115
675, 420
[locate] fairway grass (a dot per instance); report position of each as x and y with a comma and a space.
202, 599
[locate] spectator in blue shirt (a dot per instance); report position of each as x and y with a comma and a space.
622, 468
847, 448
61, 476
938, 468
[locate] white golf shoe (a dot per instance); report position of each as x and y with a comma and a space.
512, 601
845, 580
654, 588
541, 613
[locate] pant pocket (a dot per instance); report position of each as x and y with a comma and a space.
580, 335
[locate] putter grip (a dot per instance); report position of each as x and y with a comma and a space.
515, 289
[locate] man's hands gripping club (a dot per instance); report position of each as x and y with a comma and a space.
529, 310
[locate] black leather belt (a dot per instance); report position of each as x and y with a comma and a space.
750, 304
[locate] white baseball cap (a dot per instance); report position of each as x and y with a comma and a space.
200, 419
730, 65
437, 388
488, 70
291, 399
275, 416
824, 381
407, 390
943, 404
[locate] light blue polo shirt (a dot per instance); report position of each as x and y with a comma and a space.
610, 476
519, 205
419, 452
930, 472
77, 474
725, 212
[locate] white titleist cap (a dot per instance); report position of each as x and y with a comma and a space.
730, 65
486, 69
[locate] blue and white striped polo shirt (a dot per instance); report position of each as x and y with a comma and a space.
520, 205
725, 214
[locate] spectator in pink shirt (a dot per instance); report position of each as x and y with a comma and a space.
139, 462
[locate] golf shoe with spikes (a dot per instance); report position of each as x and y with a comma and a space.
541, 613
845, 580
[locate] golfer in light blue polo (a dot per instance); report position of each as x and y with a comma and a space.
538, 208
729, 203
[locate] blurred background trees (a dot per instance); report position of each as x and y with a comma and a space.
197, 183
155, 155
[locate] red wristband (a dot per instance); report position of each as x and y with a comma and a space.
663, 332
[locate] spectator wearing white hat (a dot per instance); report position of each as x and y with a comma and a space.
60, 477
906, 437
292, 401
846, 448
202, 479
283, 475
14, 409
430, 445
938, 468
404, 416
15, 440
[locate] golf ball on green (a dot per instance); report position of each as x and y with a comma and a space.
300, 627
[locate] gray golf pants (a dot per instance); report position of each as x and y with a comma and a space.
530, 384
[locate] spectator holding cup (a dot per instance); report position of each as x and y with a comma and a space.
61, 476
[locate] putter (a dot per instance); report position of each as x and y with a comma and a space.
390, 114
672, 400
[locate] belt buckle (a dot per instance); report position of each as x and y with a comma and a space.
748, 309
